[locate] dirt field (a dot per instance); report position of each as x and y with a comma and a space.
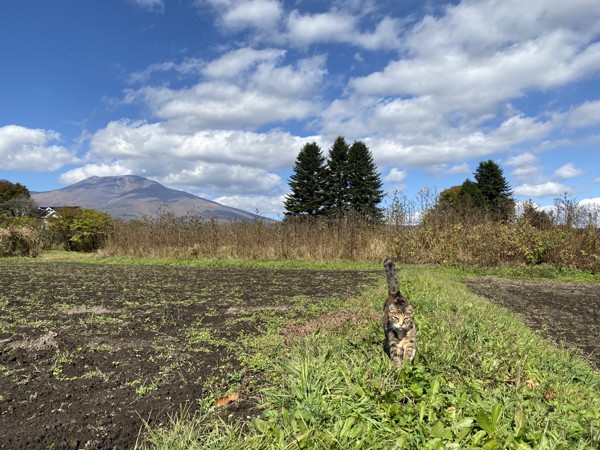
566, 313
87, 352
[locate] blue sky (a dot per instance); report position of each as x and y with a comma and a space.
217, 97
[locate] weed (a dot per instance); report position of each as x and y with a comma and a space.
481, 380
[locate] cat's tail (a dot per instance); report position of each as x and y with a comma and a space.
390, 272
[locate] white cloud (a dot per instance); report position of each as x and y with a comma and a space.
151, 5
568, 171
395, 176
524, 159
584, 115
155, 145
264, 205
528, 172
31, 149
189, 66
480, 54
263, 92
459, 169
548, 189
215, 162
235, 62
527, 167
340, 27
226, 178
94, 170
243, 14
594, 202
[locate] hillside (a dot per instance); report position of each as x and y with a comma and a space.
132, 196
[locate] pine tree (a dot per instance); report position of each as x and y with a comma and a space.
470, 196
306, 198
336, 179
495, 189
364, 182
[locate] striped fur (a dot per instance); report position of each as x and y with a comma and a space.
398, 320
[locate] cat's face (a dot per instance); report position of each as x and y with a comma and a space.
400, 319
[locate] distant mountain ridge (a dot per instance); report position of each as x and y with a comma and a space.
133, 197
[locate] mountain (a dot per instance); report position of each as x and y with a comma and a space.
132, 196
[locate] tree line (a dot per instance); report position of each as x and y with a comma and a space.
347, 180
489, 193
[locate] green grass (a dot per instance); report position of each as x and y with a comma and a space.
481, 379
541, 272
59, 255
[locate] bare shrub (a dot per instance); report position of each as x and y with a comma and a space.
20, 241
444, 236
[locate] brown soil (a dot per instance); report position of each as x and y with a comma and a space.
89, 352
566, 313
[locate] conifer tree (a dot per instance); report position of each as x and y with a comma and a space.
495, 189
336, 179
470, 196
364, 182
306, 198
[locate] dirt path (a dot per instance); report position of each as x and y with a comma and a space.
88, 352
567, 313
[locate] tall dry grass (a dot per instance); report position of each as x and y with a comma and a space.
319, 240
20, 241
441, 237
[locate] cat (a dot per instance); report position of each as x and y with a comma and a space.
398, 321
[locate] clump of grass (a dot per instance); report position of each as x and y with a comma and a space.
481, 379
20, 241
444, 237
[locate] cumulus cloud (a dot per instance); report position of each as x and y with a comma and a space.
459, 169
264, 205
215, 162
527, 167
548, 189
585, 115
226, 178
94, 170
243, 14
595, 202
524, 159
395, 176
188, 67
340, 27
238, 61
568, 171
31, 149
263, 92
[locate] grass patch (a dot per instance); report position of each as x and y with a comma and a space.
481, 379
206, 262
540, 272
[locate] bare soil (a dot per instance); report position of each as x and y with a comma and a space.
566, 313
89, 352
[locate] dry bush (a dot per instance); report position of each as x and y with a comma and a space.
20, 241
476, 240
350, 237
569, 238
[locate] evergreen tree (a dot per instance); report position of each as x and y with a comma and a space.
470, 196
306, 198
10, 190
364, 183
495, 189
336, 199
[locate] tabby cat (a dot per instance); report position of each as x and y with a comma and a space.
398, 320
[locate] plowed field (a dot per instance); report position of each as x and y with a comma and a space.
89, 352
